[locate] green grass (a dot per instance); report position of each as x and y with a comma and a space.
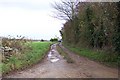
109, 59
64, 54
30, 57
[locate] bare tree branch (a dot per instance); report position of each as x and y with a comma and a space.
66, 9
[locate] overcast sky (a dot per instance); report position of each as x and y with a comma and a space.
30, 18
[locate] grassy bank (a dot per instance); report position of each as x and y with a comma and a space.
109, 59
64, 54
29, 57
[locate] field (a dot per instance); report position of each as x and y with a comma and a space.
29, 57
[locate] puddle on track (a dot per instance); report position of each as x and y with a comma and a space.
52, 57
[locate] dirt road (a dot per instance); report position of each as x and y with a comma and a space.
54, 66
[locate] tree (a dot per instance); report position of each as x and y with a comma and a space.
66, 10
116, 38
93, 25
53, 39
42, 40
89, 26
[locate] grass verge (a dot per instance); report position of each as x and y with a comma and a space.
28, 58
99, 56
63, 53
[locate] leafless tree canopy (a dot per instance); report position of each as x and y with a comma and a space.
66, 9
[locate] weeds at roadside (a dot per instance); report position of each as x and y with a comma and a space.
64, 54
99, 56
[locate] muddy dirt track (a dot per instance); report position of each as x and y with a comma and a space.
54, 66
